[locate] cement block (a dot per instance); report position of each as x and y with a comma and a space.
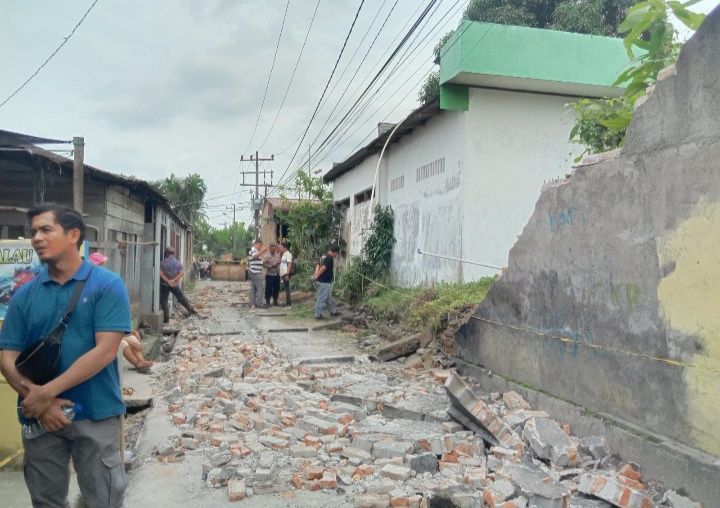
549, 442
395, 472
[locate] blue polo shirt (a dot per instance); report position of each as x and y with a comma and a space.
37, 307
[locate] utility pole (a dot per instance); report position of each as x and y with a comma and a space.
234, 231
256, 204
78, 172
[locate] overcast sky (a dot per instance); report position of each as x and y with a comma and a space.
176, 86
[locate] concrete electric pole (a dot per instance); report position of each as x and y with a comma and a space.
256, 201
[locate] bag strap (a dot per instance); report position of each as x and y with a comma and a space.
77, 291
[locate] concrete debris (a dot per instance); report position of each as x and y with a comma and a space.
549, 442
675, 500
402, 347
595, 446
396, 433
463, 399
617, 490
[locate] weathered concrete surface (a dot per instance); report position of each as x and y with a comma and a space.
620, 261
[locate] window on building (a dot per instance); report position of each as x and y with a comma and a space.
430, 169
363, 196
397, 183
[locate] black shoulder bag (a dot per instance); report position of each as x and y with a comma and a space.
40, 362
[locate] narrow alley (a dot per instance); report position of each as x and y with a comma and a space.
247, 407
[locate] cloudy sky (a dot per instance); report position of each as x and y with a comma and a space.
176, 86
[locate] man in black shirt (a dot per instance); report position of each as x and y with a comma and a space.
323, 279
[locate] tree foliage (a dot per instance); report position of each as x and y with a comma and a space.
373, 264
185, 194
430, 89
651, 43
215, 242
312, 222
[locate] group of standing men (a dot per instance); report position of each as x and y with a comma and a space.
278, 264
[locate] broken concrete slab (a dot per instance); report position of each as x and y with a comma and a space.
549, 442
402, 347
321, 360
536, 485
613, 490
463, 399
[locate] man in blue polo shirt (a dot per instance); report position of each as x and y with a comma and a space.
88, 367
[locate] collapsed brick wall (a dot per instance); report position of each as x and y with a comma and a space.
610, 299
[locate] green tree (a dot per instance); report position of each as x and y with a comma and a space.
185, 194
313, 223
651, 43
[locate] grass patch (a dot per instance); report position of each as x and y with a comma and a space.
427, 308
302, 310
432, 308
391, 304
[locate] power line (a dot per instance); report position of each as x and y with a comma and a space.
337, 61
267, 86
402, 59
353, 119
292, 77
397, 49
52, 55
362, 61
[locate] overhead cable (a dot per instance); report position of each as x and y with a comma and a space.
52, 55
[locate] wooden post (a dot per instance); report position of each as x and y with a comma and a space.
78, 172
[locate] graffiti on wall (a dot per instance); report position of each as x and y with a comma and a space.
570, 216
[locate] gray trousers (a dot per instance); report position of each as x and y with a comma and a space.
95, 451
324, 298
257, 289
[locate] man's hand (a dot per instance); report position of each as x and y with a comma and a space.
37, 401
53, 418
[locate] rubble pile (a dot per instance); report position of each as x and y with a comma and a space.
404, 433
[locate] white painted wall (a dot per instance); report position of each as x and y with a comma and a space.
497, 156
514, 142
429, 212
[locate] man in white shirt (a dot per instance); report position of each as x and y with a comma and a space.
286, 271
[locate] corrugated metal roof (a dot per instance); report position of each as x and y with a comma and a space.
125, 181
9, 138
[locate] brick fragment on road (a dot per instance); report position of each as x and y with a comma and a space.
329, 479
614, 491
237, 490
372, 501
514, 400
396, 472
389, 449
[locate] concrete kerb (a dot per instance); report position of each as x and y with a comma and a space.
678, 466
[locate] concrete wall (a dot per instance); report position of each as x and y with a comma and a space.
428, 209
611, 296
514, 143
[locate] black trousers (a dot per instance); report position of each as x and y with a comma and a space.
286, 287
272, 288
165, 291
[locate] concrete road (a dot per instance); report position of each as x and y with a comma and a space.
156, 485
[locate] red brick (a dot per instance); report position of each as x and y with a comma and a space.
314, 472
297, 481
312, 441
631, 472
329, 479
